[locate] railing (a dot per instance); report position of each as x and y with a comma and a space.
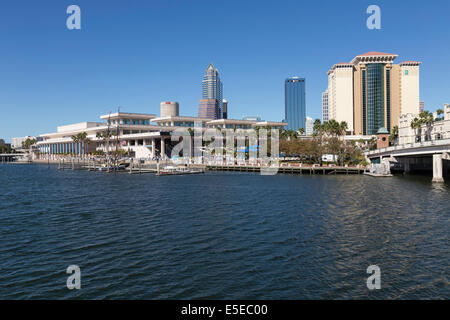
414, 145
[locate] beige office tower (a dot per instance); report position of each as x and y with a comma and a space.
371, 92
340, 94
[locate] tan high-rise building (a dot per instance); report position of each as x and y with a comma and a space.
371, 92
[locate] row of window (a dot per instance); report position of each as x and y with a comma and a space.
428, 137
131, 121
135, 131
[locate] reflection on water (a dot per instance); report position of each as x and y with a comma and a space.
221, 235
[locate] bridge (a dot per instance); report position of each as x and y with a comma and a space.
9, 157
418, 156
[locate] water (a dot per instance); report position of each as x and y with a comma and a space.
220, 235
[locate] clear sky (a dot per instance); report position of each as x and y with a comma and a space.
137, 53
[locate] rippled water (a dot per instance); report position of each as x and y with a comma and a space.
220, 235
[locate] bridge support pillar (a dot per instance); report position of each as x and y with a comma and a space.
437, 168
406, 165
153, 148
163, 149
386, 164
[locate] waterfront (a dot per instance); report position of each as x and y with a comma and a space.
222, 235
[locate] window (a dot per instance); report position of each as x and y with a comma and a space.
406, 72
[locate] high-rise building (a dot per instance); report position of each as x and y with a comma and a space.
224, 109
325, 106
295, 103
212, 90
208, 109
371, 92
309, 126
422, 106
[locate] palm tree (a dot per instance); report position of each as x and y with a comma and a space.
75, 139
256, 128
416, 124
372, 143
87, 142
301, 131
81, 138
293, 134
394, 135
331, 127
342, 129
439, 113
317, 128
28, 143
105, 136
427, 118
283, 134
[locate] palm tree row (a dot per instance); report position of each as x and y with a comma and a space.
330, 128
81, 138
28, 143
425, 118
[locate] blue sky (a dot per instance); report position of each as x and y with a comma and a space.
137, 53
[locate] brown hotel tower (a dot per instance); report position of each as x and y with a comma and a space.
371, 92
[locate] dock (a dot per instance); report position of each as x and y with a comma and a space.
290, 169
378, 175
132, 168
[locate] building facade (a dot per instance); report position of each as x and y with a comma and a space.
439, 130
224, 109
212, 89
144, 135
169, 109
295, 103
325, 106
208, 108
16, 143
371, 92
309, 126
422, 106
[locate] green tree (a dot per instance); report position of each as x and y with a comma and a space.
416, 124
28, 143
394, 135
82, 139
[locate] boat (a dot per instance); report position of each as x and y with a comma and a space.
171, 170
109, 168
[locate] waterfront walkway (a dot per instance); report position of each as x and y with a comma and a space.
151, 167
289, 169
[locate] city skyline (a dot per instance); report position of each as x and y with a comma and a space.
54, 75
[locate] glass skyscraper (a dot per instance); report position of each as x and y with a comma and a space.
211, 90
295, 103
375, 97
